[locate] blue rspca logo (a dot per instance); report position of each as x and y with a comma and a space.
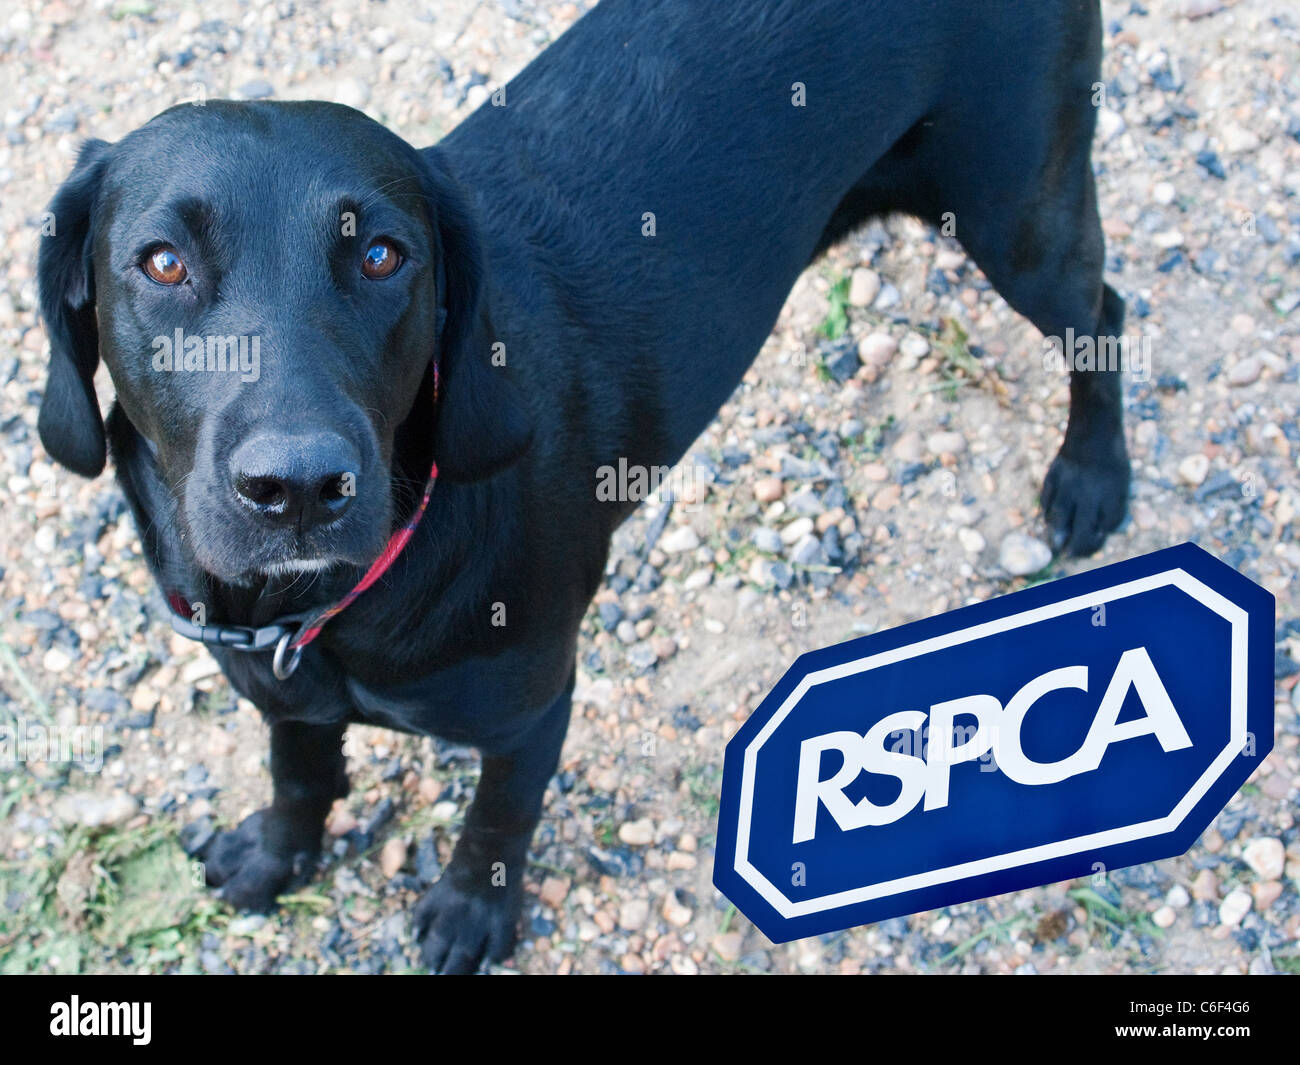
1005, 745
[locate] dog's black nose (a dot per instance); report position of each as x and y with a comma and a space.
304, 480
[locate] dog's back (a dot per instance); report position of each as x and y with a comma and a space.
671, 188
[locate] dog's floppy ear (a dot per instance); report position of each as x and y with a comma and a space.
70, 425
483, 422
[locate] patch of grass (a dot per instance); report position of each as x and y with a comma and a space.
553, 870
306, 901
17, 788
31, 694
1288, 963
126, 8
1041, 577
702, 785
1000, 931
120, 889
130, 897
606, 832
1105, 916
957, 366
872, 438
742, 554
836, 322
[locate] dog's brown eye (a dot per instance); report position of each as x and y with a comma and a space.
381, 260
165, 266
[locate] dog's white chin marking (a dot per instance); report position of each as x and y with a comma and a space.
297, 565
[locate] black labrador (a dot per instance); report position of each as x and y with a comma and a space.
579, 274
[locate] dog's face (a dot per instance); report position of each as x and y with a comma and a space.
269, 286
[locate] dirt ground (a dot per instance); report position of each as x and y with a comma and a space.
916, 469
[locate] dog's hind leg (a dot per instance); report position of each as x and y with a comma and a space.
273, 849
1045, 259
1011, 170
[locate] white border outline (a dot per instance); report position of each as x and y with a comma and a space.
1236, 617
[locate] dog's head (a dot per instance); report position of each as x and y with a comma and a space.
269, 285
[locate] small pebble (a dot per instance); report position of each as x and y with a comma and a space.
728, 945
352, 93
909, 447
637, 833
915, 346
797, 530
1245, 371
677, 913
55, 660
340, 822
1266, 856
1234, 907
1265, 893
554, 890
1193, 469
633, 914
392, 856
864, 287
1022, 555
876, 349
945, 443
1206, 886
96, 811
679, 540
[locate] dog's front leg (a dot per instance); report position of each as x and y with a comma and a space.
469, 916
276, 848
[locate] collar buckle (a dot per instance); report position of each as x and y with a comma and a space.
242, 637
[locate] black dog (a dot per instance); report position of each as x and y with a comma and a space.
591, 267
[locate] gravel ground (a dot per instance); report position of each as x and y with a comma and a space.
880, 463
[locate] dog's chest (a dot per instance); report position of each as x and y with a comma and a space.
484, 702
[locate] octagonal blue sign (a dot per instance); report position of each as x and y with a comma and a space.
1068, 729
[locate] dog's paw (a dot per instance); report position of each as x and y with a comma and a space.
249, 876
1084, 501
461, 929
